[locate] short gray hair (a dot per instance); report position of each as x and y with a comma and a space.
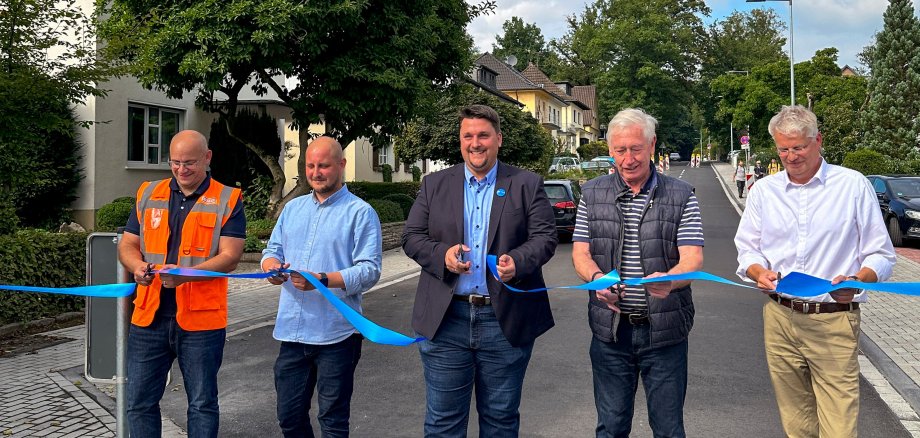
794, 121
630, 117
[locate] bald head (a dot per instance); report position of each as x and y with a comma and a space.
191, 140
325, 167
326, 145
189, 158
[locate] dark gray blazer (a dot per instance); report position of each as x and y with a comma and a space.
522, 225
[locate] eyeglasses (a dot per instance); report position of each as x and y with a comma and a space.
190, 164
798, 150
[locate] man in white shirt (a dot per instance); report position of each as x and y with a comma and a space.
822, 220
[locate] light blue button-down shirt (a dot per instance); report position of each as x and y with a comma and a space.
477, 206
341, 234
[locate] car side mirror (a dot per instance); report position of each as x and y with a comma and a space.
881, 197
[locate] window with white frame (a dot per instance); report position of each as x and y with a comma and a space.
382, 157
150, 130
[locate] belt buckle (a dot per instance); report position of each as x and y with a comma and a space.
478, 300
636, 318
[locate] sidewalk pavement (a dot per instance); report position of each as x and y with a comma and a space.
890, 328
45, 395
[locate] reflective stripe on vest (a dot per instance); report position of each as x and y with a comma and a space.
201, 305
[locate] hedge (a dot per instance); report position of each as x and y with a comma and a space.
114, 214
387, 211
40, 258
405, 202
377, 190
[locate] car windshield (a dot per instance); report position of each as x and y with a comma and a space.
905, 187
556, 192
555, 160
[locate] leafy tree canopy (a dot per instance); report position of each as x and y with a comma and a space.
525, 41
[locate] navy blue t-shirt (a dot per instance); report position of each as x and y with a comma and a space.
179, 207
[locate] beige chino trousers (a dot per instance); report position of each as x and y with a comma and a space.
814, 369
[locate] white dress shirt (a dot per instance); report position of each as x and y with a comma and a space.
830, 226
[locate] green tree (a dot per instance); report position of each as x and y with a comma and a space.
47, 64
437, 137
525, 42
360, 67
891, 121
642, 53
742, 41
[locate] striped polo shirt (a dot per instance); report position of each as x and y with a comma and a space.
689, 233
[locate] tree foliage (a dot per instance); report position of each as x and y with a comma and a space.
525, 41
437, 137
47, 64
751, 100
641, 53
361, 67
742, 41
891, 121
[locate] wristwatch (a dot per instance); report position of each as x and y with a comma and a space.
324, 279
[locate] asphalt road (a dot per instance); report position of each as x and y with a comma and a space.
729, 392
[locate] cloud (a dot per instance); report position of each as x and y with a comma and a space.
548, 15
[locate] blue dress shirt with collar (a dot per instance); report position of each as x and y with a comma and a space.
341, 234
477, 207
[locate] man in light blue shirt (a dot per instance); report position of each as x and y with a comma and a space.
334, 236
477, 206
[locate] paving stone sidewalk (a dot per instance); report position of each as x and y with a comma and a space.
37, 400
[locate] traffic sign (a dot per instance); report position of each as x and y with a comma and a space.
745, 139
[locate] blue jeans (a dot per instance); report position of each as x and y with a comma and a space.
151, 351
617, 367
469, 350
331, 370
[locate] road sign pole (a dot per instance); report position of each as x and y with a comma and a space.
121, 342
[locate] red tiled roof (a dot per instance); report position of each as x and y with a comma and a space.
587, 94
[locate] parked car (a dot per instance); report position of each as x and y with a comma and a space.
563, 196
899, 199
562, 164
674, 156
600, 165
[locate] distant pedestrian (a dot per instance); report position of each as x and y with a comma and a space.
773, 168
334, 236
740, 178
759, 171
822, 220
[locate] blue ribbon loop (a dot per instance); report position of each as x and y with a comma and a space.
795, 284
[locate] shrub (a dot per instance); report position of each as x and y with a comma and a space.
9, 221
260, 228
387, 211
416, 174
387, 172
378, 190
40, 258
868, 162
253, 244
114, 214
404, 201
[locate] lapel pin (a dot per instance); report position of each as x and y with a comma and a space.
500, 192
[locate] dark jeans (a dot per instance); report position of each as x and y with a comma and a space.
740, 188
469, 350
617, 367
151, 351
331, 370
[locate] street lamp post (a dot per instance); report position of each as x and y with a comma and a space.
791, 51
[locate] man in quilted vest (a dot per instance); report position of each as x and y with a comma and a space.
191, 221
643, 224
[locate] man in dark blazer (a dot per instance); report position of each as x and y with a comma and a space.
480, 334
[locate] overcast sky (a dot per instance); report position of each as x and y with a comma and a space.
848, 25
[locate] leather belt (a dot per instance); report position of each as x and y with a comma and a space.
808, 307
475, 299
636, 318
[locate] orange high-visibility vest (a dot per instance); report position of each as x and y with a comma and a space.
200, 305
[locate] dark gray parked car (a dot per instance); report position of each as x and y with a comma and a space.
563, 196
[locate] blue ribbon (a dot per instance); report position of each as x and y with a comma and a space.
795, 284
101, 291
370, 330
